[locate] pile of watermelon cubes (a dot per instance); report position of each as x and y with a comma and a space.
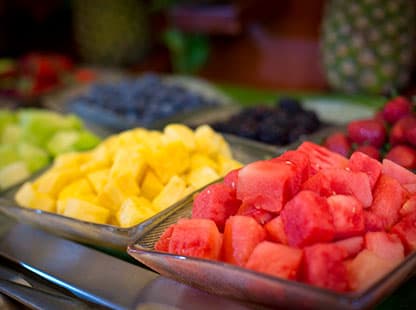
309, 215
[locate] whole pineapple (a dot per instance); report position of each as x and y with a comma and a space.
368, 45
110, 32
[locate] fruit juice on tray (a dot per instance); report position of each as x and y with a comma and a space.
31, 138
309, 216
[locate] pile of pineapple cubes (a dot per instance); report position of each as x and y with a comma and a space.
131, 176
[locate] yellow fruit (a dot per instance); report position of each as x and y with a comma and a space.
202, 176
27, 196
226, 164
151, 185
134, 210
129, 167
171, 193
111, 196
100, 159
182, 133
71, 160
98, 179
54, 180
79, 189
199, 160
85, 211
207, 140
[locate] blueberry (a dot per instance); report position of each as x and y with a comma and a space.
289, 104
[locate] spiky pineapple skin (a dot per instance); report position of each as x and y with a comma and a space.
368, 45
110, 32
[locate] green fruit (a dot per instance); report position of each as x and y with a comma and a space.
8, 155
368, 45
6, 118
11, 134
34, 157
13, 174
62, 142
86, 140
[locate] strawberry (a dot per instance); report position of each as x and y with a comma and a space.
338, 143
411, 135
369, 150
367, 131
403, 155
398, 133
396, 108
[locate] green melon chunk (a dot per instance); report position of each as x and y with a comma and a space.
8, 155
34, 157
13, 174
6, 118
86, 140
62, 142
11, 134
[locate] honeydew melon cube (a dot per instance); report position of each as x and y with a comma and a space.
34, 157
8, 154
86, 140
62, 142
13, 174
134, 210
6, 118
11, 134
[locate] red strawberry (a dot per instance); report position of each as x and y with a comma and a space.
367, 131
403, 155
411, 135
396, 108
369, 150
400, 128
338, 143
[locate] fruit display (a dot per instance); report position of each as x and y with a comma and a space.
364, 53
309, 215
391, 134
31, 138
141, 101
130, 176
281, 124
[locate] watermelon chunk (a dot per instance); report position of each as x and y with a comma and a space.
347, 214
328, 182
321, 158
398, 172
387, 246
163, 243
275, 259
307, 220
372, 221
266, 184
366, 268
216, 202
389, 196
406, 230
323, 266
275, 230
260, 215
241, 236
360, 162
231, 179
196, 237
352, 245
408, 207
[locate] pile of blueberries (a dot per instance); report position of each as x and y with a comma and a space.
279, 124
140, 101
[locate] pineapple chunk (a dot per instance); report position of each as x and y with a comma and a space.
112, 195
98, 179
85, 211
182, 133
168, 160
27, 196
79, 189
71, 160
151, 185
202, 176
199, 160
13, 174
226, 164
207, 140
224, 149
171, 193
134, 210
54, 180
100, 159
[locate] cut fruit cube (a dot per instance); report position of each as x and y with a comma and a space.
85, 211
98, 179
352, 245
406, 230
13, 174
27, 196
172, 192
387, 246
182, 133
202, 176
401, 174
133, 211
360, 162
276, 231
260, 215
151, 185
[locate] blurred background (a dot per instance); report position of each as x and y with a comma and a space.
322, 45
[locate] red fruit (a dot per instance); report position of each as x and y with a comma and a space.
300, 163
323, 267
396, 108
260, 215
352, 246
216, 202
321, 158
408, 207
411, 188
84, 75
366, 268
307, 220
241, 236
276, 231
406, 230
347, 215
369, 150
338, 143
275, 259
196, 237
367, 131
163, 243
372, 221
396, 171
387, 246
360, 162
403, 155
341, 181
399, 130
267, 184
231, 179
411, 136
389, 197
